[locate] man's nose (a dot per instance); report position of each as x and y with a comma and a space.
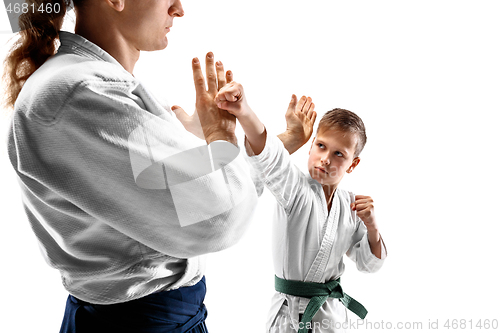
176, 10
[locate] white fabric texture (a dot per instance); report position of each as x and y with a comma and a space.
98, 195
309, 242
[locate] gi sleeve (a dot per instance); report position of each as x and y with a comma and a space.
275, 168
361, 253
115, 161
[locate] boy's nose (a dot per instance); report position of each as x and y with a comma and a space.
325, 160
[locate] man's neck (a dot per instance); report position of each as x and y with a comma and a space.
111, 41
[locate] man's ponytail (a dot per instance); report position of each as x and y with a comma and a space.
40, 28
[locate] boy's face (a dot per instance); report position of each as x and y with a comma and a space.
332, 155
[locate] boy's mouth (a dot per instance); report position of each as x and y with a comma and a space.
321, 169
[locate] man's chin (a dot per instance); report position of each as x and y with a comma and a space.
158, 46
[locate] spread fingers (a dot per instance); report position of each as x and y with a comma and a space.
229, 77
211, 74
221, 78
199, 80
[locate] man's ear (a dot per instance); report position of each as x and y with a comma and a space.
117, 5
312, 144
354, 163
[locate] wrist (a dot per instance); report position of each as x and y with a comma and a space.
290, 141
372, 227
245, 114
221, 135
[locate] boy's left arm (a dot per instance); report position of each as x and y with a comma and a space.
367, 248
365, 210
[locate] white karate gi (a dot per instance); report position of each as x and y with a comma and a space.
308, 241
123, 200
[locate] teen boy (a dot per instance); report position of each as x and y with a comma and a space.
316, 223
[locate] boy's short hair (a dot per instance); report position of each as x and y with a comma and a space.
345, 121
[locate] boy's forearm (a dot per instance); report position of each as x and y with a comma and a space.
375, 242
254, 131
291, 143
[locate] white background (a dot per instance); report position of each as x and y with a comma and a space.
425, 78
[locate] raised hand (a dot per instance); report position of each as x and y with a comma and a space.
300, 117
208, 121
191, 123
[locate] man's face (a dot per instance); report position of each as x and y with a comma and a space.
147, 22
332, 155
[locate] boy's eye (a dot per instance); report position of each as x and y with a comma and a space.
338, 154
320, 145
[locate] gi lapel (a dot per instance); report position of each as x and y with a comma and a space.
318, 267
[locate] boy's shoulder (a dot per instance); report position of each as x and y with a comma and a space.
346, 197
344, 193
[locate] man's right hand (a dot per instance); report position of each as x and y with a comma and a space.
216, 124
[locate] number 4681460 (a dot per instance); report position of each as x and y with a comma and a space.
485, 324
48, 8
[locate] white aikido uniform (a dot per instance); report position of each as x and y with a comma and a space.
123, 200
308, 241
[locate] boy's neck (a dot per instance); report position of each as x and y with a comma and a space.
329, 191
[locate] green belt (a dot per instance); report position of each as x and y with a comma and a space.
318, 293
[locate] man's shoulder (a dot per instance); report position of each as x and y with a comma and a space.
70, 70
59, 79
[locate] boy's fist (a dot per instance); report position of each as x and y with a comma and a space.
365, 209
231, 98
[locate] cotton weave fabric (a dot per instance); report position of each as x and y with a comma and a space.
309, 241
112, 207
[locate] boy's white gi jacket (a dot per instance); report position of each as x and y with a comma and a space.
123, 200
308, 241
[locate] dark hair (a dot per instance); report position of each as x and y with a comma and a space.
39, 32
345, 121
